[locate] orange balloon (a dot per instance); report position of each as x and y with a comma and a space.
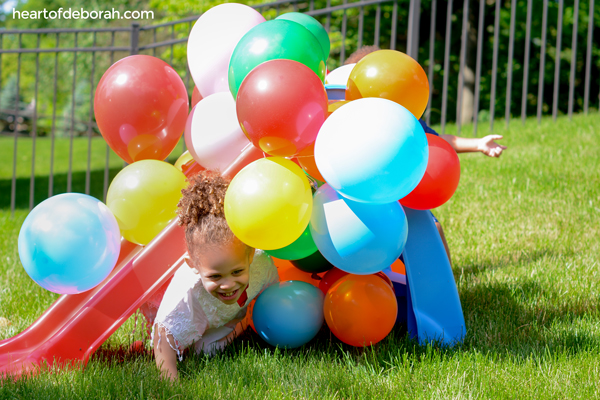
287, 272
398, 267
392, 75
306, 158
360, 310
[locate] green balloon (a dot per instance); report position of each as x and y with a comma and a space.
302, 247
274, 40
314, 263
313, 26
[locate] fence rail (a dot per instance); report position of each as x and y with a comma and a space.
479, 63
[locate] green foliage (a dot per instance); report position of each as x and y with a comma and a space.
74, 78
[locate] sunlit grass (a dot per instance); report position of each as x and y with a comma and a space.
524, 236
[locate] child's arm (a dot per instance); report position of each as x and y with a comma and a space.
486, 144
166, 357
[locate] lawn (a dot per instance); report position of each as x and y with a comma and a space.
523, 232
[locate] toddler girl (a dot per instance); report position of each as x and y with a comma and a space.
207, 298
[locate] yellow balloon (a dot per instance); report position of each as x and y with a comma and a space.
183, 159
143, 197
268, 204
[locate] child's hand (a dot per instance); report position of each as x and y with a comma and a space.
490, 148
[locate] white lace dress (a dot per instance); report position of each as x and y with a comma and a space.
193, 316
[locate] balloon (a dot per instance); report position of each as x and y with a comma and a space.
372, 150
141, 106
268, 203
302, 247
360, 310
335, 274
398, 267
392, 75
272, 40
306, 158
249, 311
212, 133
196, 96
339, 76
143, 197
331, 277
313, 26
288, 314
356, 237
183, 159
281, 105
211, 43
333, 106
440, 180
287, 272
69, 243
314, 263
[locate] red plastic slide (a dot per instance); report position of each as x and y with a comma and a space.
75, 326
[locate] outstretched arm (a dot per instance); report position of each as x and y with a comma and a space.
166, 357
486, 145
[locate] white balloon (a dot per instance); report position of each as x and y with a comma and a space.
339, 76
211, 43
213, 134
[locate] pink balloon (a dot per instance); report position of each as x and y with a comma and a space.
211, 43
213, 135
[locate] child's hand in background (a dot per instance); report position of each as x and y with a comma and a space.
489, 147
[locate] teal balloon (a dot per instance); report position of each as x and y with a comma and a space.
313, 26
302, 247
315, 263
69, 243
274, 40
288, 314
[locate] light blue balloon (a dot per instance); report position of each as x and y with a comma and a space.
372, 150
69, 243
358, 238
288, 314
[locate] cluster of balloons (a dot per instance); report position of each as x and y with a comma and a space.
70, 243
262, 82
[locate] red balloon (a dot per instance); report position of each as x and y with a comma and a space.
331, 277
141, 108
281, 106
440, 180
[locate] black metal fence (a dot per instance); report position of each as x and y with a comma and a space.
478, 67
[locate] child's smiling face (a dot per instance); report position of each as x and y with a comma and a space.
224, 269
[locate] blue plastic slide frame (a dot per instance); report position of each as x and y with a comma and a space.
431, 293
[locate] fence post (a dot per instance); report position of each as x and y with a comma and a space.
135, 38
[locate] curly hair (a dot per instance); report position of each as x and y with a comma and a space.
201, 210
360, 53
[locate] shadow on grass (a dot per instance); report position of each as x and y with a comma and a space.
523, 317
41, 184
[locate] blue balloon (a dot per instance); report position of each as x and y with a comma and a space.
358, 238
69, 243
372, 150
288, 314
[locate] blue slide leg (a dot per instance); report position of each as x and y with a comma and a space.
430, 283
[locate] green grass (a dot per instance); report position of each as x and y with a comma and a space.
523, 232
